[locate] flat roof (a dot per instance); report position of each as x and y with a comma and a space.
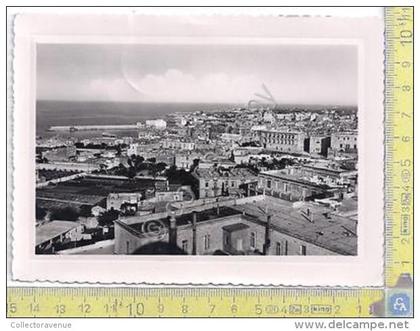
328, 230
297, 179
321, 166
184, 219
50, 230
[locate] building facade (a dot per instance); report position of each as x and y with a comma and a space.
344, 142
213, 182
289, 184
319, 145
115, 201
286, 142
157, 124
221, 231
178, 144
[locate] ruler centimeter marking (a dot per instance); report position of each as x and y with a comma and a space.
279, 302
399, 158
190, 302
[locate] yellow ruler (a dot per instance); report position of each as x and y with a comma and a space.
393, 299
399, 144
190, 302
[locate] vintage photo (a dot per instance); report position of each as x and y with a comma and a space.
246, 150
196, 149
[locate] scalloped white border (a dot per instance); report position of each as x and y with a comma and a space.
366, 269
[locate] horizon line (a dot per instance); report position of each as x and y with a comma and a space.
199, 102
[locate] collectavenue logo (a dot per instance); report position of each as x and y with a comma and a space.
210, 156
154, 228
399, 304
263, 99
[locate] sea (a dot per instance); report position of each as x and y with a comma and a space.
68, 113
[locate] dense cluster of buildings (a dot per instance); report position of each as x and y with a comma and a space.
223, 182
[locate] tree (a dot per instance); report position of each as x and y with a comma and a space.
131, 172
138, 160
119, 150
182, 177
121, 170
102, 168
108, 217
64, 214
40, 213
85, 211
160, 167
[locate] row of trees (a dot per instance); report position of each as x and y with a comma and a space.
138, 164
272, 164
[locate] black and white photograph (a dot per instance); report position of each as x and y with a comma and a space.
196, 149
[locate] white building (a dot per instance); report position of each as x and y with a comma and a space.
158, 123
177, 144
116, 200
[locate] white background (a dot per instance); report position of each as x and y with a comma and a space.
177, 324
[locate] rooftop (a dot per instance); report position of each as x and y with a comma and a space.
285, 174
52, 230
184, 219
330, 167
310, 222
321, 227
216, 173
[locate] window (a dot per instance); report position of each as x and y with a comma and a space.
206, 242
268, 183
286, 247
253, 240
302, 250
127, 244
232, 184
185, 245
207, 184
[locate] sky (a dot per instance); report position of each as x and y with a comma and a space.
294, 74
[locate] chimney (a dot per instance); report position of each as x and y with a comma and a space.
194, 230
267, 241
173, 231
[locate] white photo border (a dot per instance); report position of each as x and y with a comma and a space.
365, 269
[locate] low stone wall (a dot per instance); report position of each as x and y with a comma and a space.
60, 180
